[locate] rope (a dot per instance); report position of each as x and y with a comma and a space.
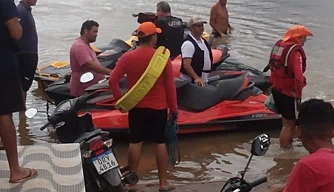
172, 143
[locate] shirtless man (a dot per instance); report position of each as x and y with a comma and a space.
219, 19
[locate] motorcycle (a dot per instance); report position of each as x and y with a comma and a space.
102, 171
260, 146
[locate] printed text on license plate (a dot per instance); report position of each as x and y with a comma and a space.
105, 162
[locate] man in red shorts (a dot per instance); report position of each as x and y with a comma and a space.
287, 64
315, 172
148, 119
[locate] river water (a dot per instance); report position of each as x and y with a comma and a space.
258, 24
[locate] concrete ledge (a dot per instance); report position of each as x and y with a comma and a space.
59, 167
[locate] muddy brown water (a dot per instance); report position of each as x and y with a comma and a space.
257, 23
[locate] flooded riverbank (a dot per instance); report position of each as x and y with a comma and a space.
257, 25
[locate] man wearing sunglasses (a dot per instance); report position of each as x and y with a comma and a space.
196, 54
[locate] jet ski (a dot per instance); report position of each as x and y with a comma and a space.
50, 73
59, 90
227, 102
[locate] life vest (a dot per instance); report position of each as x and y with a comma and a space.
281, 77
172, 34
279, 56
197, 61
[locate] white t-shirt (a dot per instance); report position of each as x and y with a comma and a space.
188, 50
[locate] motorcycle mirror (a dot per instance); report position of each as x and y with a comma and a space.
260, 145
134, 15
86, 77
30, 113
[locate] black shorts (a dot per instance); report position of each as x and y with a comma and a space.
147, 124
285, 105
28, 64
11, 97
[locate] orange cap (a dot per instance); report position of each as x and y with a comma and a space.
146, 29
296, 31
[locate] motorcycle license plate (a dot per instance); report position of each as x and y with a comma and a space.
105, 162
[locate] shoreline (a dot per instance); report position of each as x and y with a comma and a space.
196, 187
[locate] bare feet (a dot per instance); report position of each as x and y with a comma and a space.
22, 174
168, 187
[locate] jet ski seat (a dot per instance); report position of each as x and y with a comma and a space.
112, 52
105, 85
117, 45
196, 98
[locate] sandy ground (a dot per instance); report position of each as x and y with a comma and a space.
198, 187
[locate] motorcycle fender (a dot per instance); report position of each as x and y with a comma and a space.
113, 177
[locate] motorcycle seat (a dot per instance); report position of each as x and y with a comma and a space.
88, 135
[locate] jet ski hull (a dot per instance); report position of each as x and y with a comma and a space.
224, 104
229, 115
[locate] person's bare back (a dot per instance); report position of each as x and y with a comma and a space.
219, 19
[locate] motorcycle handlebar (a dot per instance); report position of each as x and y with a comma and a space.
45, 126
258, 182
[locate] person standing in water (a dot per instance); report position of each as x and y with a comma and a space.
171, 36
219, 20
28, 53
196, 54
314, 172
288, 64
83, 59
148, 119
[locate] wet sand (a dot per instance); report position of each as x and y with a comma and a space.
199, 187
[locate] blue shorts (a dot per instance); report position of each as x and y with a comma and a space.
11, 97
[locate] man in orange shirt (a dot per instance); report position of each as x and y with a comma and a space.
288, 64
148, 119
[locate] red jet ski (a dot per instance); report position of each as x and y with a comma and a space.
227, 101
60, 90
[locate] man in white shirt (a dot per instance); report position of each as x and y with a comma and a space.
196, 54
